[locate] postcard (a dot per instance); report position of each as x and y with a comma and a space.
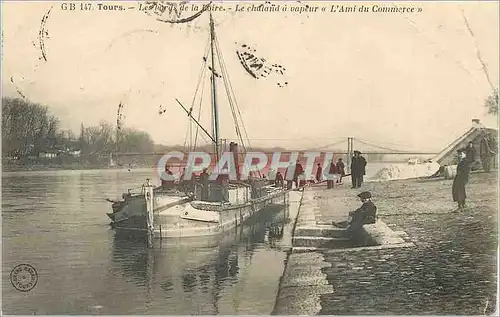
249, 157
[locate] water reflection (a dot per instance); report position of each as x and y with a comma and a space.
183, 272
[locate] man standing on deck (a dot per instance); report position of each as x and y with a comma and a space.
358, 169
167, 180
204, 181
223, 182
272, 175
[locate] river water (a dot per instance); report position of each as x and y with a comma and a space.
56, 221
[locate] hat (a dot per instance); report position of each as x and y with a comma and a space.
356, 151
365, 195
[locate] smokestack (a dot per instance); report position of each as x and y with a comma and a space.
234, 149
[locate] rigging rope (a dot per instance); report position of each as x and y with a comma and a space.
223, 66
232, 99
200, 80
199, 115
228, 92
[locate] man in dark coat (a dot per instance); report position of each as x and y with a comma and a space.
319, 173
470, 153
204, 181
340, 169
358, 169
167, 179
278, 182
460, 180
488, 149
299, 170
366, 214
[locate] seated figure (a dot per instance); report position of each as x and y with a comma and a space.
366, 214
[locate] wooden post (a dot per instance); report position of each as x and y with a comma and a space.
149, 210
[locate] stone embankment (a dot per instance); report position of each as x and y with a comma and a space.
421, 257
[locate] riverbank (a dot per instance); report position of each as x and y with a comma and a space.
41, 168
372, 168
447, 265
62, 167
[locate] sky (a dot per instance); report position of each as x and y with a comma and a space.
411, 79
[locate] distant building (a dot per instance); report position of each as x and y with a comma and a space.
47, 155
476, 134
75, 153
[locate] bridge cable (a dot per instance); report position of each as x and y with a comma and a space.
375, 144
379, 147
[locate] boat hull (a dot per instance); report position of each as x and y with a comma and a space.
180, 218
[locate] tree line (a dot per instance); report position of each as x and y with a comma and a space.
491, 103
29, 129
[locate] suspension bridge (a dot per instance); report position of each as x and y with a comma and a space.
344, 146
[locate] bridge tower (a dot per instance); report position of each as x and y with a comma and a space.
350, 149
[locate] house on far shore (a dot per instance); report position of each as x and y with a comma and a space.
53, 154
47, 155
478, 134
75, 153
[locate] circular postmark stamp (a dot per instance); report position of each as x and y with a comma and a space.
23, 277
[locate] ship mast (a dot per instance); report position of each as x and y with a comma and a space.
215, 114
